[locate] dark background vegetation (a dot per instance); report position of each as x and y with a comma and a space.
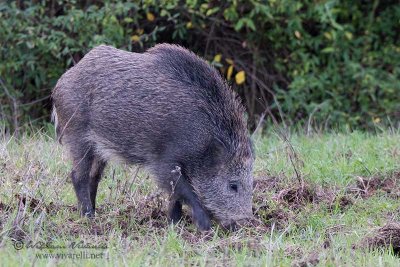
327, 64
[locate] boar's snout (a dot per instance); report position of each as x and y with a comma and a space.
235, 224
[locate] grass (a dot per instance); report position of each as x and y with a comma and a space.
325, 202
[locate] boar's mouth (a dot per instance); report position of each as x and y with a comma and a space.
228, 224
225, 220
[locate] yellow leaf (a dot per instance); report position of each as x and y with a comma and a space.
297, 34
135, 38
377, 120
217, 58
230, 61
240, 77
189, 25
150, 16
328, 35
229, 73
139, 31
348, 35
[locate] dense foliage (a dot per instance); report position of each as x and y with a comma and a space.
324, 63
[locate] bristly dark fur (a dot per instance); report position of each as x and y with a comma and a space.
190, 70
165, 108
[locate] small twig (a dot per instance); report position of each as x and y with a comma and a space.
262, 85
292, 154
134, 178
260, 121
299, 178
253, 82
311, 115
35, 101
177, 170
208, 40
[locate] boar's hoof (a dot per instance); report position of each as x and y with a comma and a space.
87, 212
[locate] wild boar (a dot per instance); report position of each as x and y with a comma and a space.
168, 110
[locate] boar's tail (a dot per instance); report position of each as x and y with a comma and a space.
54, 119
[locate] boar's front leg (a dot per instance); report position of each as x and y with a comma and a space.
175, 210
182, 191
199, 214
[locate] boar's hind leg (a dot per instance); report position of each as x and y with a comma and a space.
82, 162
95, 176
184, 191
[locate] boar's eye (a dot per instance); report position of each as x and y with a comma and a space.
233, 186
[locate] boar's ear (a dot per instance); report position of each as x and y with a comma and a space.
215, 152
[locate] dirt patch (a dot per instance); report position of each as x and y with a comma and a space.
274, 196
85, 227
264, 183
282, 190
293, 251
296, 196
309, 260
277, 200
339, 202
367, 186
149, 210
274, 203
145, 212
34, 204
384, 237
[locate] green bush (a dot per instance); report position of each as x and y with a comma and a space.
318, 62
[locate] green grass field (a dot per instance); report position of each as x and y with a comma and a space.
325, 200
